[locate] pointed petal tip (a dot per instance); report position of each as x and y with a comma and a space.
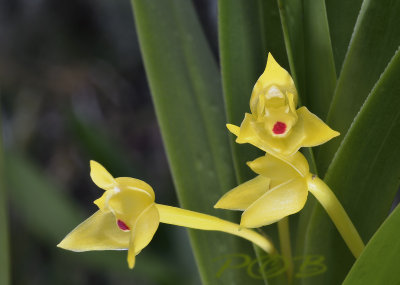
93, 164
233, 129
100, 176
131, 262
64, 245
219, 204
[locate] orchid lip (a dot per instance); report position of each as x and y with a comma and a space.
279, 128
122, 225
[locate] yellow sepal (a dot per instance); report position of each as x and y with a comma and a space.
273, 74
279, 171
131, 258
127, 206
145, 227
316, 131
128, 183
283, 200
100, 176
242, 196
98, 232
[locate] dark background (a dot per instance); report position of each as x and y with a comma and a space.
73, 88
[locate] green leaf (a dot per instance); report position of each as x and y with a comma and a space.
291, 12
374, 42
342, 16
319, 63
248, 30
363, 175
4, 239
310, 55
309, 49
186, 89
379, 263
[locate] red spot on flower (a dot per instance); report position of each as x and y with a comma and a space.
279, 128
122, 225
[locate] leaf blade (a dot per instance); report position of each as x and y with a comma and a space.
342, 16
190, 112
383, 248
363, 174
374, 42
247, 32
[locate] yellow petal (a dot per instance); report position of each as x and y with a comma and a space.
131, 251
283, 200
242, 196
100, 176
316, 131
142, 232
127, 205
233, 129
128, 183
145, 227
280, 171
98, 232
102, 202
274, 74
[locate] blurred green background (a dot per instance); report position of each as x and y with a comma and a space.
73, 88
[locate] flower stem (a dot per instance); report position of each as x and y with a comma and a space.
336, 212
195, 220
284, 240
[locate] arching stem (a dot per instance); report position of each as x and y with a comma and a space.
185, 218
336, 212
284, 240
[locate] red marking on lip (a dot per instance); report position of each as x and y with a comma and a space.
279, 128
122, 225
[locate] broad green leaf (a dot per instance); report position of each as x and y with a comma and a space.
375, 40
320, 75
291, 13
363, 174
342, 16
308, 45
379, 263
248, 30
186, 89
312, 66
4, 239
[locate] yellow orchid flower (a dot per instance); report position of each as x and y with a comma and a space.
274, 125
128, 218
281, 189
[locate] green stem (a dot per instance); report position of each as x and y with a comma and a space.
336, 212
185, 218
284, 240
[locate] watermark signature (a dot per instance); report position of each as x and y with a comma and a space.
271, 265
